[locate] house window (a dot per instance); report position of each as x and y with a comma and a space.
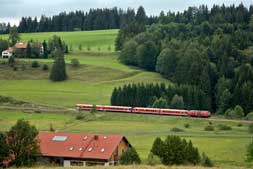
76, 163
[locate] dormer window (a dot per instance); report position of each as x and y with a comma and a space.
90, 149
85, 137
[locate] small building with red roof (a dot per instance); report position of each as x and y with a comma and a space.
72, 149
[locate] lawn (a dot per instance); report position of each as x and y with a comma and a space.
225, 148
102, 39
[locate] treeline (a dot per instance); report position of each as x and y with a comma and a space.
95, 19
209, 49
147, 95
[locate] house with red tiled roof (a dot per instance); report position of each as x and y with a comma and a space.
69, 149
7, 53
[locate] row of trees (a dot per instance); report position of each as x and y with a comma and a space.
195, 48
160, 96
94, 19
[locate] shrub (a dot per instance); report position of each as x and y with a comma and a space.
153, 159
85, 116
23, 67
15, 68
130, 156
177, 151
250, 129
35, 64
209, 128
75, 63
239, 125
236, 113
249, 116
45, 67
205, 161
210, 123
11, 61
249, 153
175, 129
224, 127
187, 125
94, 109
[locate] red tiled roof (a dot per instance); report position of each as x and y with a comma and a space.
21, 45
78, 145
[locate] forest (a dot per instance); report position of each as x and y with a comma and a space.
94, 19
207, 49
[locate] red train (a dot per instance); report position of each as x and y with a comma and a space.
142, 110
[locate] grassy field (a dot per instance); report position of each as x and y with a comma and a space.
93, 82
102, 39
225, 148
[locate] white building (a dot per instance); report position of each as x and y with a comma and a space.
7, 53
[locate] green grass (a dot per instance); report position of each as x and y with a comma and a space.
94, 39
225, 148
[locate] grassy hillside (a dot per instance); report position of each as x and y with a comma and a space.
225, 148
94, 39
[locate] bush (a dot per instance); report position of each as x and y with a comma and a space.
75, 63
35, 64
23, 67
175, 129
187, 125
45, 67
249, 153
205, 161
15, 68
130, 156
239, 125
209, 128
250, 129
85, 116
11, 61
236, 113
224, 127
153, 159
176, 151
93, 109
249, 116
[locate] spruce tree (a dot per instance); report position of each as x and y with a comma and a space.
58, 71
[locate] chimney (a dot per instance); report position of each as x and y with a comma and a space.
96, 137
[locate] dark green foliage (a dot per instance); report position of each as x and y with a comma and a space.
187, 125
11, 61
145, 95
249, 116
201, 47
209, 128
249, 153
250, 128
175, 150
35, 64
51, 128
22, 142
224, 127
160, 103
13, 36
129, 157
205, 161
45, 67
128, 53
93, 109
236, 113
157, 148
3, 45
75, 63
146, 55
4, 148
153, 159
58, 71
175, 129
239, 125
177, 102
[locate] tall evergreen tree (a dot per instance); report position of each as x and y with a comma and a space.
58, 71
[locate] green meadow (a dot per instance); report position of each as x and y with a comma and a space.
225, 148
92, 82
